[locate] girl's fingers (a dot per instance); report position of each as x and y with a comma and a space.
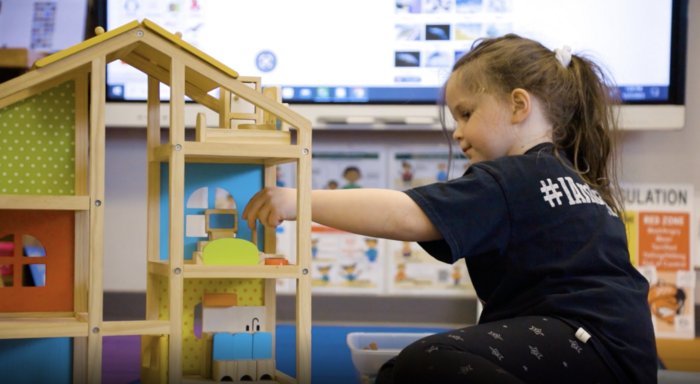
264, 213
252, 210
273, 218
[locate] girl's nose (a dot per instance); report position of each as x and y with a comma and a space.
456, 135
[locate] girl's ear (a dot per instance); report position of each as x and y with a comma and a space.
521, 105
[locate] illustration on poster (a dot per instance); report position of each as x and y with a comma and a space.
324, 270
314, 248
407, 172
666, 301
352, 175
351, 272
371, 251
442, 173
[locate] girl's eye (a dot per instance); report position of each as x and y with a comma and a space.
467, 114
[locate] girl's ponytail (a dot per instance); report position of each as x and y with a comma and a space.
589, 139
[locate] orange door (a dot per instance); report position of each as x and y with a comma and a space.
31, 287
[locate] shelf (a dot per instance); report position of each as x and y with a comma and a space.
38, 327
162, 268
242, 271
228, 152
45, 202
131, 328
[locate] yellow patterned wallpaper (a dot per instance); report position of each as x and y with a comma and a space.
250, 293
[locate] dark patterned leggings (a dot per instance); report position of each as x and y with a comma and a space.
520, 350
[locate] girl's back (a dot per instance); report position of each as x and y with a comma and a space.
539, 242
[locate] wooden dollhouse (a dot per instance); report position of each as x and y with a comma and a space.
52, 146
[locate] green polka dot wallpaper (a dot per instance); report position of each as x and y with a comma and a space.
37, 144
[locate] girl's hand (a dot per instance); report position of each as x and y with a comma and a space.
271, 206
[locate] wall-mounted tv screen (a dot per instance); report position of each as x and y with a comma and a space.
401, 51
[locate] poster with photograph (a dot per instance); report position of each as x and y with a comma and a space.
411, 269
659, 222
342, 262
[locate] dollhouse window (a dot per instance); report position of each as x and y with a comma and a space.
199, 199
33, 274
195, 223
223, 199
7, 250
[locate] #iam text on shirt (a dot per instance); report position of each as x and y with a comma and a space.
576, 193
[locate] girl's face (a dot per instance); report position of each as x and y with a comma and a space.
483, 126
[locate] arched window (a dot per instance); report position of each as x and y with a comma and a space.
198, 202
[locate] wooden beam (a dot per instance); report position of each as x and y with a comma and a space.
121, 53
283, 378
41, 87
153, 134
177, 216
241, 271
163, 75
160, 268
68, 64
97, 195
303, 302
42, 327
33, 315
127, 328
255, 151
49, 202
153, 141
233, 85
270, 247
224, 108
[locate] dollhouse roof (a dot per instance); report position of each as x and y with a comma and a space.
150, 49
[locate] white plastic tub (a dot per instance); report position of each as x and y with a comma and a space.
367, 362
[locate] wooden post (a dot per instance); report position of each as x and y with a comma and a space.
270, 247
82, 225
303, 303
177, 212
225, 108
153, 231
201, 127
97, 196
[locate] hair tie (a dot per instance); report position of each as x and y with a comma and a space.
563, 55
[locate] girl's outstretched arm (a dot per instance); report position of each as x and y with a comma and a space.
370, 212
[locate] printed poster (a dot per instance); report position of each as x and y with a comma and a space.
411, 270
418, 166
659, 221
342, 262
348, 167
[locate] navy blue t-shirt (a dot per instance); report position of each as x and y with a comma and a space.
538, 241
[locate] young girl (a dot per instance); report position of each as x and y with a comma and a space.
535, 217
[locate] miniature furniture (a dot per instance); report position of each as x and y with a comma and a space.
69, 87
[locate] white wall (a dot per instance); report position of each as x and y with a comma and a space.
653, 157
